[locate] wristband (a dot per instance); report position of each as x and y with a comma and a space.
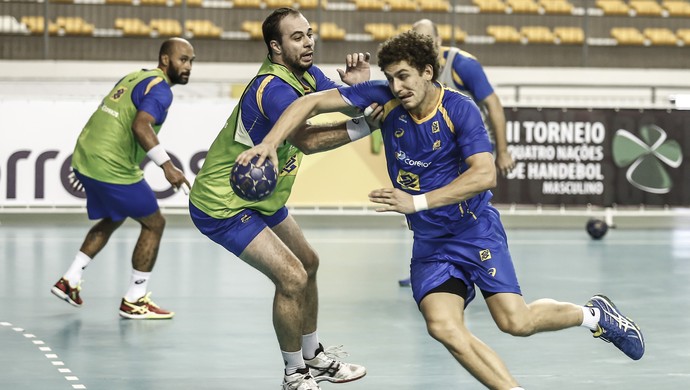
419, 202
158, 155
357, 128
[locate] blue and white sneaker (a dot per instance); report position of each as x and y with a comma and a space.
326, 366
616, 328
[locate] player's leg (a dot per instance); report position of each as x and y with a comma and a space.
324, 367
444, 316
513, 316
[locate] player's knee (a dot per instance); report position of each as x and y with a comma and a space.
292, 282
446, 332
311, 264
514, 326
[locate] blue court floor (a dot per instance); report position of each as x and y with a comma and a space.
222, 337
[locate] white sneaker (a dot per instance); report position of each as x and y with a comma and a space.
300, 380
325, 366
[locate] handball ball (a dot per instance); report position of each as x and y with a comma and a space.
254, 182
597, 228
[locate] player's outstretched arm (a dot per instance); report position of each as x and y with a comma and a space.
357, 68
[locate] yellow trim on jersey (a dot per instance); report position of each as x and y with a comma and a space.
152, 84
389, 106
446, 118
260, 93
438, 105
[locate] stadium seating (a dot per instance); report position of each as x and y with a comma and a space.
132, 27
677, 7
370, 5
523, 6
646, 7
166, 27
35, 24
445, 31
490, 6
203, 28
613, 7
628, 36
380, 31
253, 28
154, 3
556, 7
246, 4
684, 35
402, 5
331, 32
434, 5
189, 3
569, 35
310, 4
537, 34
504, 34
119, 2
274, 4
74, 25
660, 36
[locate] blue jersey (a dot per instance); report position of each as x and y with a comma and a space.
154, 100
265, 101
462, 71
428, 153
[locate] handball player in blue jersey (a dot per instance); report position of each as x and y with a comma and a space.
119, 135
440, 163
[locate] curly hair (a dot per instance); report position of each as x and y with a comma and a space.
416, 49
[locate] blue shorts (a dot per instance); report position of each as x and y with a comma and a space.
478, 256
236, 232
117, 201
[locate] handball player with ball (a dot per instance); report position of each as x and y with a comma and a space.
242, 208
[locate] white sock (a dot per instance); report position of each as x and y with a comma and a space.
517, 388
137, 285
590, 318
310, 343
293, 361
76, 270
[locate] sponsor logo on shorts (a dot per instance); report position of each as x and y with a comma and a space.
245, 218
485, 255
492, 271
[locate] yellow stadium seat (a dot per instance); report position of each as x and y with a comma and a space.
404, 27
660, 36
166, 27
274, 4
556, 7
74, 25
402, 5
434, 5
310, 4
253, 28
380, 31
154, 2
569, 35
36, 25
331, 32
684, 35
132, 27
523, 6
613, 7
203, 28
677, 7
628, 36
121, 2
370, 5
489, 6
538, 34
246, 4
504, 34
445, 32
646, 7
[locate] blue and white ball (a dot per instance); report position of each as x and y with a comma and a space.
254, 182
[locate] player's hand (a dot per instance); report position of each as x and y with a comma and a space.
357, 68
75, 183
504, 163
392, 199
175, 177
374, 115
264, 151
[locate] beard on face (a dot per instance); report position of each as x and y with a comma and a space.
176, 77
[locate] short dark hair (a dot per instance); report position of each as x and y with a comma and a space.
168, 47
271, 25
416, 49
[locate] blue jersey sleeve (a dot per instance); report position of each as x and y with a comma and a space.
276, 98
156, 100
363, 94
322, 81
473, 76
472, 137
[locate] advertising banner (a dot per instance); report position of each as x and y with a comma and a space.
602, 157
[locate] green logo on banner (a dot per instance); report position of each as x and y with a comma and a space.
644, 158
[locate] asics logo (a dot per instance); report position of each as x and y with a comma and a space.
139, 281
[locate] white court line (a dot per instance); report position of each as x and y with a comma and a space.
50, 356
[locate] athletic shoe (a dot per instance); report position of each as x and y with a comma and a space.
64, 291
300, 380
325, 366
143, 309
405, 282
615, 328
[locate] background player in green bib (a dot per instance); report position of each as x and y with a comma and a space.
116, 139
262, 233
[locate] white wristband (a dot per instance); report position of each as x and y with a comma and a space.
158, 155
419, 202
357, 128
